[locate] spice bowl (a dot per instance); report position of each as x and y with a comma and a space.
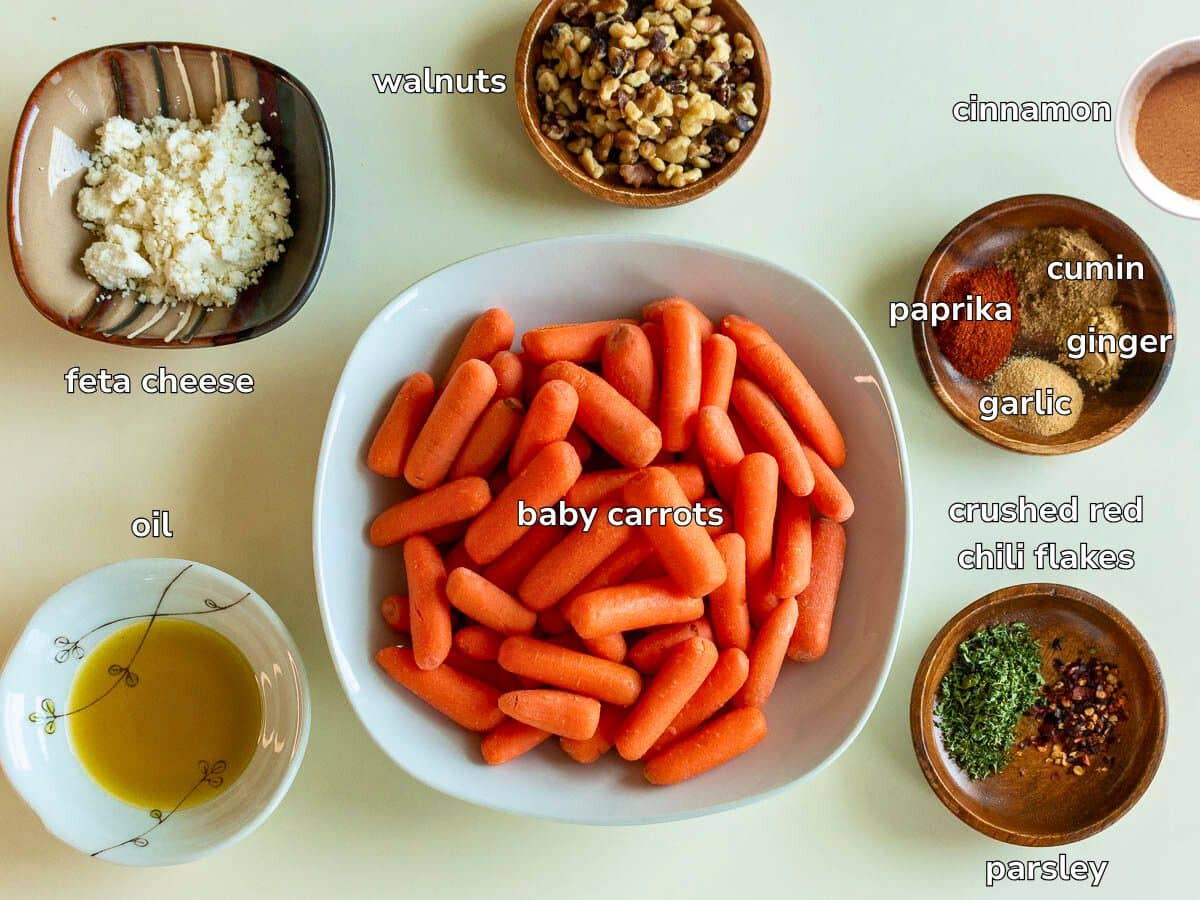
614, 190
1173, 56
1032, 802
38, 749
1147, 307
50, 154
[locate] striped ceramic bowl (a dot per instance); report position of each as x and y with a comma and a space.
55, 134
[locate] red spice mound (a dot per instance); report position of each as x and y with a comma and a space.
978, 349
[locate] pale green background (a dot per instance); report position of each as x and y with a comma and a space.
858, 175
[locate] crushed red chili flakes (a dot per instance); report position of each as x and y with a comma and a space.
1078, 716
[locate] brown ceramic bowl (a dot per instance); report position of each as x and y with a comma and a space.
1047, 805
54, 135
1147, 307
614, 190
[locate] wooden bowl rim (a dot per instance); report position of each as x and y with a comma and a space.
925, 686
924, 345
623, 195
317, 265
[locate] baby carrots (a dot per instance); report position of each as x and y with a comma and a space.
549, 419
465, 397
488, 335
408, 412
453, 501
618, 535
608, 418
429, 608
570, 670
724, 739
468, 701
685, 668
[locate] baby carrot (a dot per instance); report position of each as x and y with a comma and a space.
636, 604
394, 439
601, 742
508, 740
719, 448
395, 612
543, 482
463, 400
474, 595
608, 418
558, 712
616, 568
722, 683
774, 434
714, 505
817, 602
571, 670
776, 372
681, 376
745, 437
686, 551
768, 652
457, 557
682, 673
716, 743
582, 342
466, 700
593, 488
829, 495
793, 546
507, 571
647, 655
653, 312
610, 646
565, 565
448, 534
718, 357
429, 610
478, 642
727, 603
653, 333
627, 363
490, 439
451, 502
510, 374
757, 495
549, 419
489, 334
486, 670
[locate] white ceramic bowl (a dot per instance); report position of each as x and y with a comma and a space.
816, 710
35, 744
1171, 57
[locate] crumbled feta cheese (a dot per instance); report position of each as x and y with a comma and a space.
183, 211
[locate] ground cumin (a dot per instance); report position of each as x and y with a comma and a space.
1168, 130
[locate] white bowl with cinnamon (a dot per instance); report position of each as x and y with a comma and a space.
1158, 128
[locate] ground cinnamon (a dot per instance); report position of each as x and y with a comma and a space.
1168, 130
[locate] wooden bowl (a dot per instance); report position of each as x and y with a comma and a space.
562, 161
1147, 307
1038, 809
56, 131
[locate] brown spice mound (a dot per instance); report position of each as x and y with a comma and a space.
978, 349
1048, 305
1168, 130
1078, 715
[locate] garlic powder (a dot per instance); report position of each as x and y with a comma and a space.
183, 211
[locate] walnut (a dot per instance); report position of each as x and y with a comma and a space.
637, 175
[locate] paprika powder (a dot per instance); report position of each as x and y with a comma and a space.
977, 348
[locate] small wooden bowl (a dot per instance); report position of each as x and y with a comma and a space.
1147, 307
562, 161
1037, 809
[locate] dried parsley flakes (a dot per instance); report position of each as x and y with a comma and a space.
995, 678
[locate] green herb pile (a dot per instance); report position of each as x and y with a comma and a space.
995, 678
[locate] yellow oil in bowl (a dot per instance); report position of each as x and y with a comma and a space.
166, 714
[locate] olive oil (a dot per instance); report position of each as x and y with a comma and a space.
158, 707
